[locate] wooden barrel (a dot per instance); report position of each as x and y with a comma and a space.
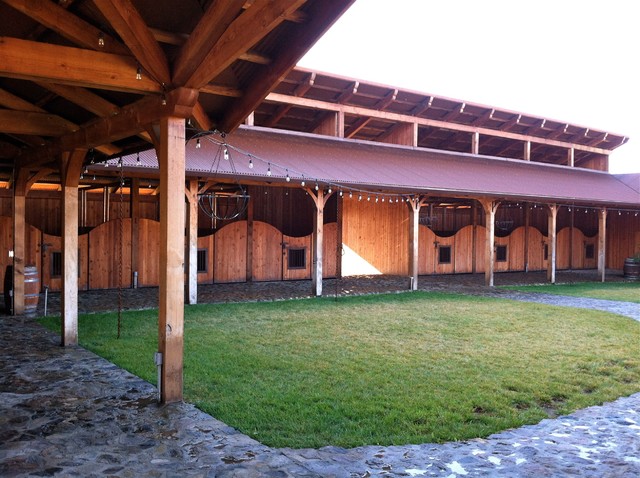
631, 269
31, 290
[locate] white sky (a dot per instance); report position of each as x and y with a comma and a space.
568, 60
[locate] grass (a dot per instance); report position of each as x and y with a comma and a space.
387, 369
620, 291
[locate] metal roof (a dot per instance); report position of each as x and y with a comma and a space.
265, 155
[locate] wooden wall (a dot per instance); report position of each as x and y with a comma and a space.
378, 233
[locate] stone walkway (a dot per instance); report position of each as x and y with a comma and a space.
67, 412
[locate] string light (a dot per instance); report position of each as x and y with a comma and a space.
287, 179
359, 197
317, 185
302, 183
198, 145
138, 158
350, 195
250, 163
330, 190
269, 170
376, 198
340, 193
226, 154
100, 39
139, 73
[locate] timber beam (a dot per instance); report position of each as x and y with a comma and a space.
131, 120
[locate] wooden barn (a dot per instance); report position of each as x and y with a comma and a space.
140, 147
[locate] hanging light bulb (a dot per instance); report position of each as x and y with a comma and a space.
163, 101
330, 190
317, 186
376, 198
269, 169
226, 154
198, 145
288, 179
100, 39
138, 73
250, 163
138, 158
302, 183
382, 198
350, 194
94, 177
359, 197
368, 198
106, 164
340, 193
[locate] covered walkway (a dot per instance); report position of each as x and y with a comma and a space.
67, 412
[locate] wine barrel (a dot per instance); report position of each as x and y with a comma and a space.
31, 290
631, 269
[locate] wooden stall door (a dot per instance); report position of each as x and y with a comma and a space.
426, 251
267, 252
108, 267
296, 258
148, 267
230, 251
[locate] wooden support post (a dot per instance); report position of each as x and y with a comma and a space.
571, 157
70, 168
106, 203
134, 208
249, 269
602, 243
571, 236
339, 215
414, 204
475, 143
474, 239
490, 207
192, 243
340, 124
171, 158
527, 150
552, 226
320, 200
527, 224
19, 240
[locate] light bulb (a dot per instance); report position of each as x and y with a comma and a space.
269, 170
100, 39
250, 163
198, 145
226, 154
139, 73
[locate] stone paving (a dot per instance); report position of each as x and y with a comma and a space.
67, 412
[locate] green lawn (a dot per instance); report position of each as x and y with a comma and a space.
386, 369
622, 291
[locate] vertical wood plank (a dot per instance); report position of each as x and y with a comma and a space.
19, 249
171, 314
602, 243
192, 243
553, 242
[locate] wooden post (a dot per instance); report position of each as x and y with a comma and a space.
527, 150
134, 207
171, 158
19, 240
474, 239
339, 210
70, 168
571, 157
551, 262
475, 143
414, 230
192, 243
490, 207
320, 200
249, 271
571, 236
602, 243
106, 203
527, 224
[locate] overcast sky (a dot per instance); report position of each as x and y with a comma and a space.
567, 60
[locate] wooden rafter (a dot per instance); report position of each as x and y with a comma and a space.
56, 18
45, 62
214, 22
128, 22
243, 32
131, 120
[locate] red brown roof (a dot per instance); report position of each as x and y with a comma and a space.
388, 169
